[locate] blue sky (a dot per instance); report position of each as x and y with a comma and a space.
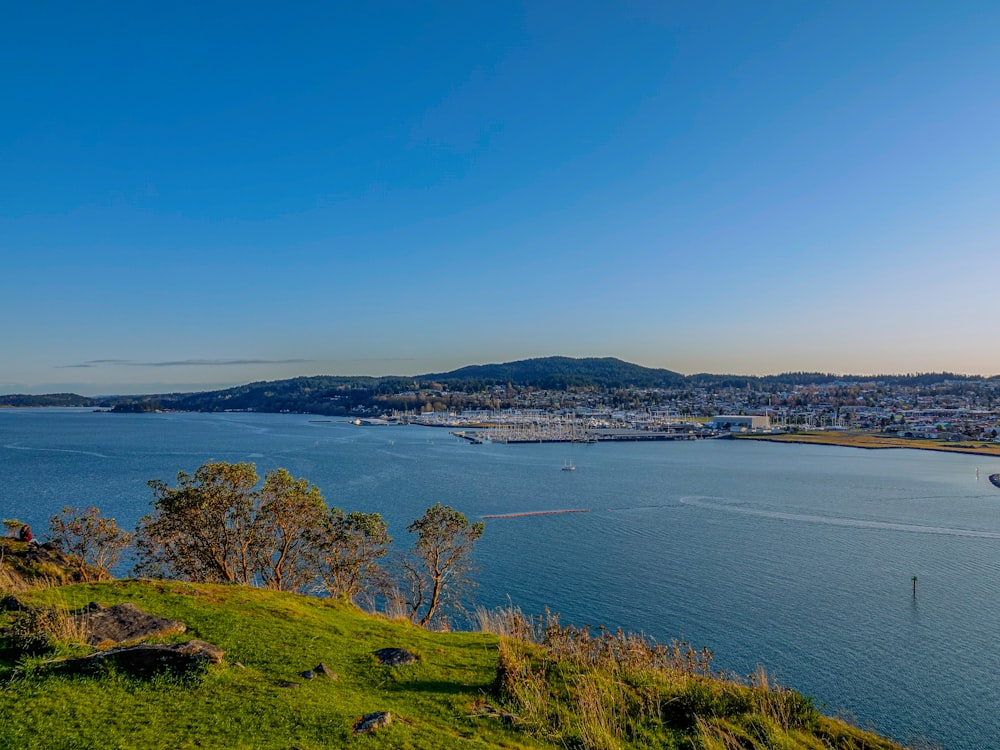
202, 194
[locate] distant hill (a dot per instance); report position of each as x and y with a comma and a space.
561, 373
49, 399
336, 395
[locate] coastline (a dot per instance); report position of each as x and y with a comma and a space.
873, 441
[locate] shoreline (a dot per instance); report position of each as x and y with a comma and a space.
870, 441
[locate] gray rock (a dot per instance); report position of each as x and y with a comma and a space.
372, 722
395, 657
324, 670
124, 624
493, 712
148, 659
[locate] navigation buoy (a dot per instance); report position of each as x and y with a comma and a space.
914, 587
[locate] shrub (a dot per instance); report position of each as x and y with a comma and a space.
95, 542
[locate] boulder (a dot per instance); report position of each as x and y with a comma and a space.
148, 659
123, 624
395, 657
11, 603
372, 722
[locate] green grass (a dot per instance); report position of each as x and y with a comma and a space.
275, 636
562, 687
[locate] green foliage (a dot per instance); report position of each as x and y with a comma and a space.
438, 567
94, 542
217, 526
204, 529
350, 547
12, 525
29, 632
289, 517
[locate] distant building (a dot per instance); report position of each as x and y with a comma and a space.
741, 422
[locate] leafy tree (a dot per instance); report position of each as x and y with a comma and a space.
291, 514
439, 564
218, 526
204, 529
94, 542
350, 548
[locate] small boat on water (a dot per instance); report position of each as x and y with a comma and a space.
568, 466
995, 480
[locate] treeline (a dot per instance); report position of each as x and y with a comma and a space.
492, 386
222, 524
49, 399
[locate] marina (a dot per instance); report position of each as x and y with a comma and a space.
562, 434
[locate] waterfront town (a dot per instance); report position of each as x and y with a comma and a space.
958, 410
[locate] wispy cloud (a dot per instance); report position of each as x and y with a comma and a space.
184, 363
95, 363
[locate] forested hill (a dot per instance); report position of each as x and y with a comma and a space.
557, 373
356, 395
341, 395
49, 399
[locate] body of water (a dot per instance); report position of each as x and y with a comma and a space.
795, 557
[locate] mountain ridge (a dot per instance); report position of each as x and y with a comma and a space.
354, 394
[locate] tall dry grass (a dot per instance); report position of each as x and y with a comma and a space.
42, 630
612, 689
11, 582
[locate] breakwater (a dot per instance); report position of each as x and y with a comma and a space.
525, 514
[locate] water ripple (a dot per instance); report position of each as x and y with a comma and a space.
856, 523
16, 447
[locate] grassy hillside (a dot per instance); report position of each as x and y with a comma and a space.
275, 637
539, 685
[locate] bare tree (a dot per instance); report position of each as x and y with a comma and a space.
93, 541
437, 568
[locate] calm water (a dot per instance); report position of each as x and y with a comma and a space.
796, 557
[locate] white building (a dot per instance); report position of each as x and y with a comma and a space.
742, 421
